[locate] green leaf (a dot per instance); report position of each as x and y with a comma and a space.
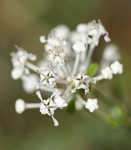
92, 69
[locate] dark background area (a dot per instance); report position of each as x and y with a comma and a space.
22, 22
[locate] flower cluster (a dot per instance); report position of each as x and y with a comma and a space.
65, 72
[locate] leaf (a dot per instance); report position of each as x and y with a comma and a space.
92, 69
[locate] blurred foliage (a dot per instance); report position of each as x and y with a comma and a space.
21, 23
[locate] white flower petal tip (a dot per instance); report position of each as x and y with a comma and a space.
92, 104
107, 39
56, 123
20, 106
117, 68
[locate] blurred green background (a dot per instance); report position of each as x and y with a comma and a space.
21, 23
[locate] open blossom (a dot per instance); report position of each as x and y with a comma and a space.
56, 50
81, 82
65, 72
48, 106
47, 78
117, 68
96, 30
91, 104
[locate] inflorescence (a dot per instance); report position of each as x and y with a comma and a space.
63, 71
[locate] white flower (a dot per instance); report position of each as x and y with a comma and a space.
21, 56
79, 47
56, 58
42, 39
47, 77
91, 104
111, 53
19, 59
117, 68
79, 103
61, 74
107, 73
56, 50
47, 107
61, 32
95, 31
20, 106
81, 81
59, 101
17, 72
30, 83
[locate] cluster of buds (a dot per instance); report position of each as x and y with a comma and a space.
64, 71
